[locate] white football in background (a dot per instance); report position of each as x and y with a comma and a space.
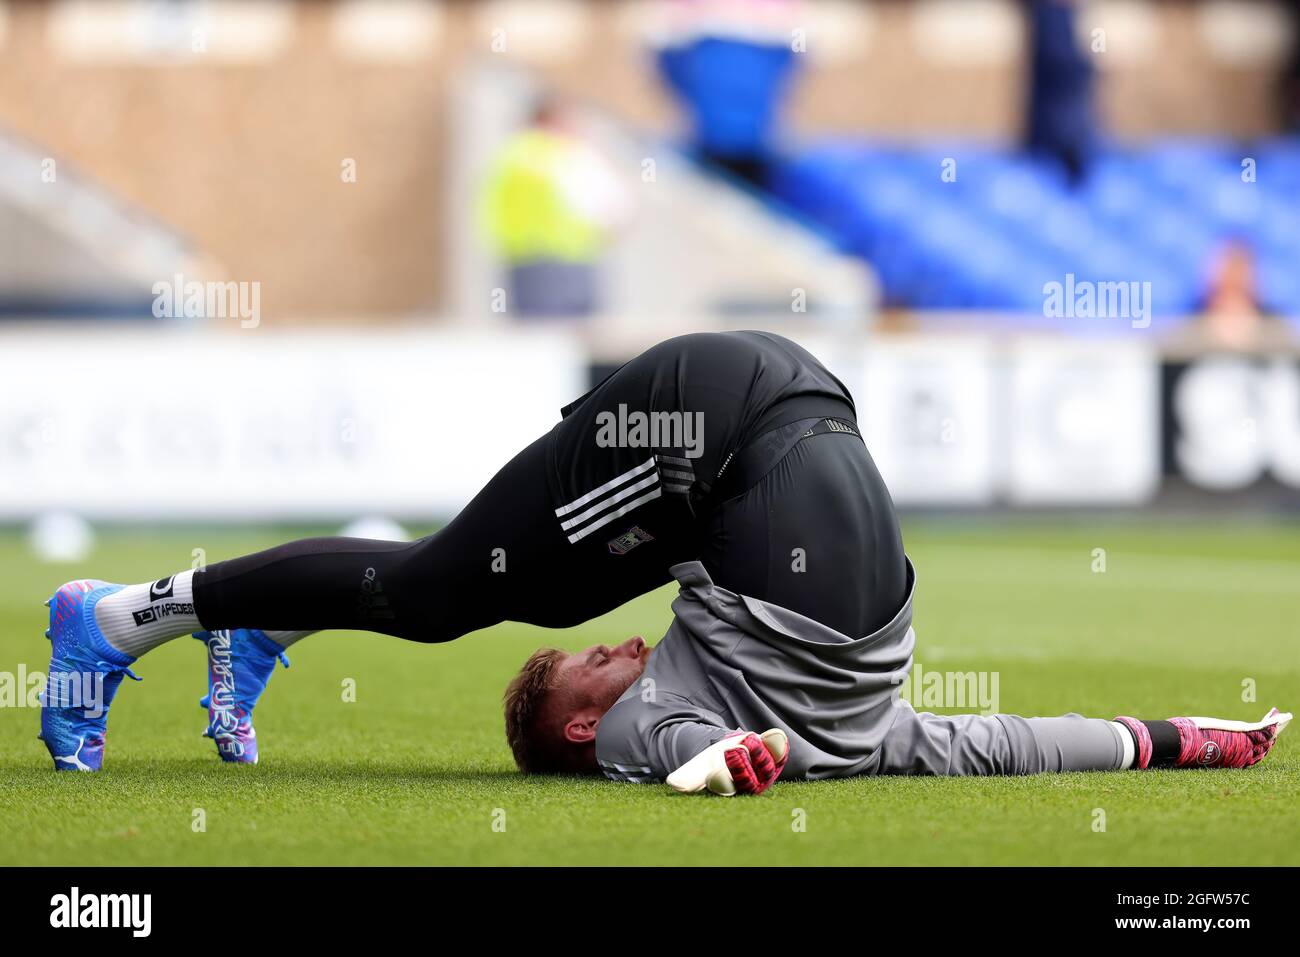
61, 537
376, 527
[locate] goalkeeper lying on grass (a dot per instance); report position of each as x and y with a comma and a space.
729, 461
682, 711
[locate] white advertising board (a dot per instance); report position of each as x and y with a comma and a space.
128, 423
1082, 422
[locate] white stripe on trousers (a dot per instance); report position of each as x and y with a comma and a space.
601, 490
606, 519
611, 500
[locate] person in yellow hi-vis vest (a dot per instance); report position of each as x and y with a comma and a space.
549, 205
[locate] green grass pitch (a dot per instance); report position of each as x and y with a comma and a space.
1185, 619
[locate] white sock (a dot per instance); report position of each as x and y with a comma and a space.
139, 618
286, 638
1129, 745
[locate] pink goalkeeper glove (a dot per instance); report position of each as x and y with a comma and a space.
741, 763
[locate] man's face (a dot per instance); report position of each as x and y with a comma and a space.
594, 678
583, 686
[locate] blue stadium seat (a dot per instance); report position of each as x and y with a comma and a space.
990, 239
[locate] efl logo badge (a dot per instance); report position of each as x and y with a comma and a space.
1209, 753
629, 540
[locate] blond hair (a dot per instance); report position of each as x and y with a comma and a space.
533, 740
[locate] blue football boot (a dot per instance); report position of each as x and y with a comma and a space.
85, 672
240, 662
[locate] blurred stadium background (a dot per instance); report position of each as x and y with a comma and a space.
254, 251
270, 269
